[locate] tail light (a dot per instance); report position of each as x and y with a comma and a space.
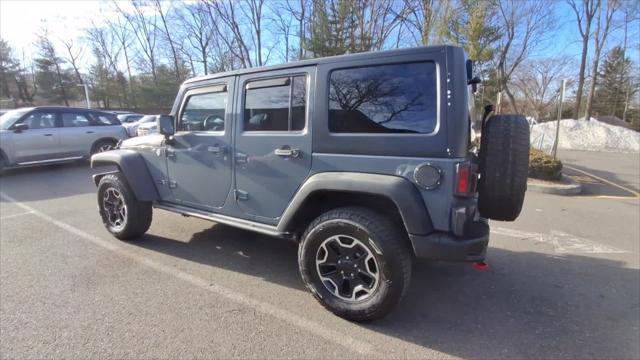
466, 179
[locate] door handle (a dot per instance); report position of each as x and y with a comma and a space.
287, 152
48, 134
170, 153
242, 158
216, 149
89, 132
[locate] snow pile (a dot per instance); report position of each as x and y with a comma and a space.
585, 135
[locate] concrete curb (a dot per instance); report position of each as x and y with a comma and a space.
567, 186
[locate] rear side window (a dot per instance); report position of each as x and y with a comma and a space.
204, 112
399, 98
105, 119
75, 119
276, 104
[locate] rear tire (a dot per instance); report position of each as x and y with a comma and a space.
122, 214
504, 166
355, 238
102, 146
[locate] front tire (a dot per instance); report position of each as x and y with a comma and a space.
355, 262
122, 214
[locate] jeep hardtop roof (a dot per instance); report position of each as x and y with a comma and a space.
325, 60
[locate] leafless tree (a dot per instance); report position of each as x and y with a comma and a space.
603, 29
427, 20
104, 42
631, 15
524, 25
585, 11
282, 22
73, 57
253, 12
197, 27
376, 20
537, 83
120, 30
144, 29
229, 30
299, 13
167, 34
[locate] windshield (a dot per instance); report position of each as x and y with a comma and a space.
8, 118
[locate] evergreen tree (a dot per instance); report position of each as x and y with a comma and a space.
8, 69
614, 80
51, 77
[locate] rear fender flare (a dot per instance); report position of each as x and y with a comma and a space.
134, 168
401, 191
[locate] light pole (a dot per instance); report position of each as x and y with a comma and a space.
86, 94
554, 149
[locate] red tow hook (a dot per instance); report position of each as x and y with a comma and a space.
481, 266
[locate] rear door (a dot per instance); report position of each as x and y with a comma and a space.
199, 157
273, 141
41, 141
78, 132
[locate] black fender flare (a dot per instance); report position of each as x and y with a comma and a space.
134, 168
399, 190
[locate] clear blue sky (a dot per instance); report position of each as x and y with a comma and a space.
20, 20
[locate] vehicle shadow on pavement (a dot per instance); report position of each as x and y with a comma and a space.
526, 305
50, 182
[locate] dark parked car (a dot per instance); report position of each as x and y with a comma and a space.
365, 160
45, 135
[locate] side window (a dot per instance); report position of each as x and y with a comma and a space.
40, 120
204, 112
75, 119
276, 104
104, 119
399, 98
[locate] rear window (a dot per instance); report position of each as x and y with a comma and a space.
398, 98
276, 104
104, 119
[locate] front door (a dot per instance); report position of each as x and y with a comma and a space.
41, 141
273, 140
199, 156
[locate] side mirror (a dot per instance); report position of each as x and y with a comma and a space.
18, 128
165, 125
474, 83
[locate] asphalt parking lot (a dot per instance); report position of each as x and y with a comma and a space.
563, 282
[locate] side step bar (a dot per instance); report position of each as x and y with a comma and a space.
223, 219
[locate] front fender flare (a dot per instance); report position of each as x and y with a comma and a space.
134, 168
401, 191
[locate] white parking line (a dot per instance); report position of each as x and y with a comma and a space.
562, 243
281, 314
15, 215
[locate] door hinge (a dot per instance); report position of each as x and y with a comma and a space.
173, 184
241, 195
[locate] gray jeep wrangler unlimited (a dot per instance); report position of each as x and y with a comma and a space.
363, 159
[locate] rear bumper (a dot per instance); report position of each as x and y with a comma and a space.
448, 247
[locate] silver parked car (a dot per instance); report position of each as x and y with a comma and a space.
44, 135
130, 122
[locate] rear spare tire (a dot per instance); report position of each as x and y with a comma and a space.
504, 163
